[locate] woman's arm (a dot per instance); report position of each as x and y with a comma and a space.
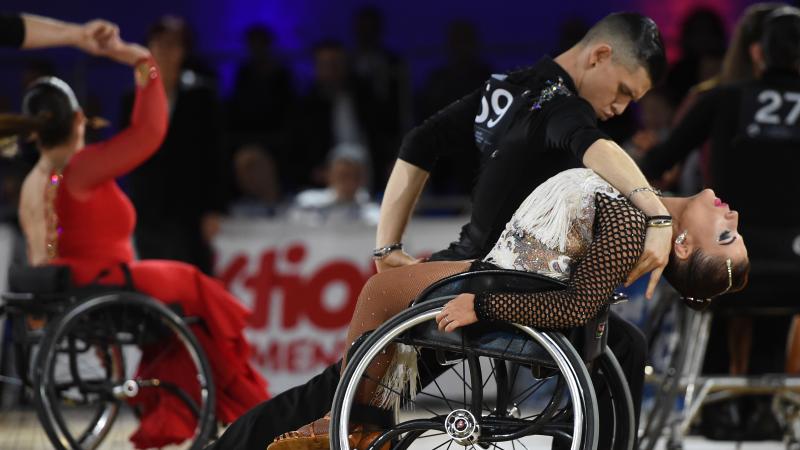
617, 243
117, 156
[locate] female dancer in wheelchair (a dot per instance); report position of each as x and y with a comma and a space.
574, 227
73, 213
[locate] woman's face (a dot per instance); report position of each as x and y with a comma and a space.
712, 226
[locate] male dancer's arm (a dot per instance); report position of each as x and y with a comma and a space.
446, 132
41, 32
572, 125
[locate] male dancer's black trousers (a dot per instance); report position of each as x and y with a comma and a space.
308, 402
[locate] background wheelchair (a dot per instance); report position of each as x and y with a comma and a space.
681, 388
492, 385
83, 354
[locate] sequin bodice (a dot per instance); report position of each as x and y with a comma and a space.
552, 229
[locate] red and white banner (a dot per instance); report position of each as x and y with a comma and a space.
302, 284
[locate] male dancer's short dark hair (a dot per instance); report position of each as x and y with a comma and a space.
635, 40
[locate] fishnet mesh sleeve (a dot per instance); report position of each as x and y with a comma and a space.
619, 231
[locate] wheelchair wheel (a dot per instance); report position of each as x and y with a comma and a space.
98, 357
471, 398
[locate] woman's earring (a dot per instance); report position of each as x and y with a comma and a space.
681, 237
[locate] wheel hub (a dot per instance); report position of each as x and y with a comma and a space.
462, 427
128, 389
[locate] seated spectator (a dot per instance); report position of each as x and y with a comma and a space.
336, 109
263, 91
386, 75
345, 200
256, 177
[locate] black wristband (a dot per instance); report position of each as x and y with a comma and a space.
649, 218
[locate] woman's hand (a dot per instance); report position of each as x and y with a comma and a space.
94, 37
126, 52
657, 246
457, 313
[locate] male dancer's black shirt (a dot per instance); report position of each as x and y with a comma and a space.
12, 30
521, 145
754, 132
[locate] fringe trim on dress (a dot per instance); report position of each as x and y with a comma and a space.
549, 211
402, 377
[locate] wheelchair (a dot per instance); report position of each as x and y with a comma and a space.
84, 354
682, 390
492, 385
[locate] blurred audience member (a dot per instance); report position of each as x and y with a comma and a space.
386, 76
336, 110
178, 192
703, 43
345, 199
256, 176
263, 91
463, 71
656, 111
743, 60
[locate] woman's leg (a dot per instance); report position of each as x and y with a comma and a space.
385, 295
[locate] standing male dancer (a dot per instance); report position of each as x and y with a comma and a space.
528, 125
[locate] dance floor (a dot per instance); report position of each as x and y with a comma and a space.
21, 431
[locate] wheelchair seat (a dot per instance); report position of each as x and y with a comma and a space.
490, 280
39, 279
43, 286
493, 339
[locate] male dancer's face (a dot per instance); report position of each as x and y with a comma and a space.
610, 86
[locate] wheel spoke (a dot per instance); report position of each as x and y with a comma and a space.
433, 379
464, 378
490, 373
449, 442
536, 386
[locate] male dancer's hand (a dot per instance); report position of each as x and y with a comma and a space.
657, 246
397, 258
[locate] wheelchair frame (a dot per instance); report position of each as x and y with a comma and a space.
64, 313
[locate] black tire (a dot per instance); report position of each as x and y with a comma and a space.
91, 339
609, 375
580, 422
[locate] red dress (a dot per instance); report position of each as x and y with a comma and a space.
91, 232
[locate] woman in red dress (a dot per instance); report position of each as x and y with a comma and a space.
73, 213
